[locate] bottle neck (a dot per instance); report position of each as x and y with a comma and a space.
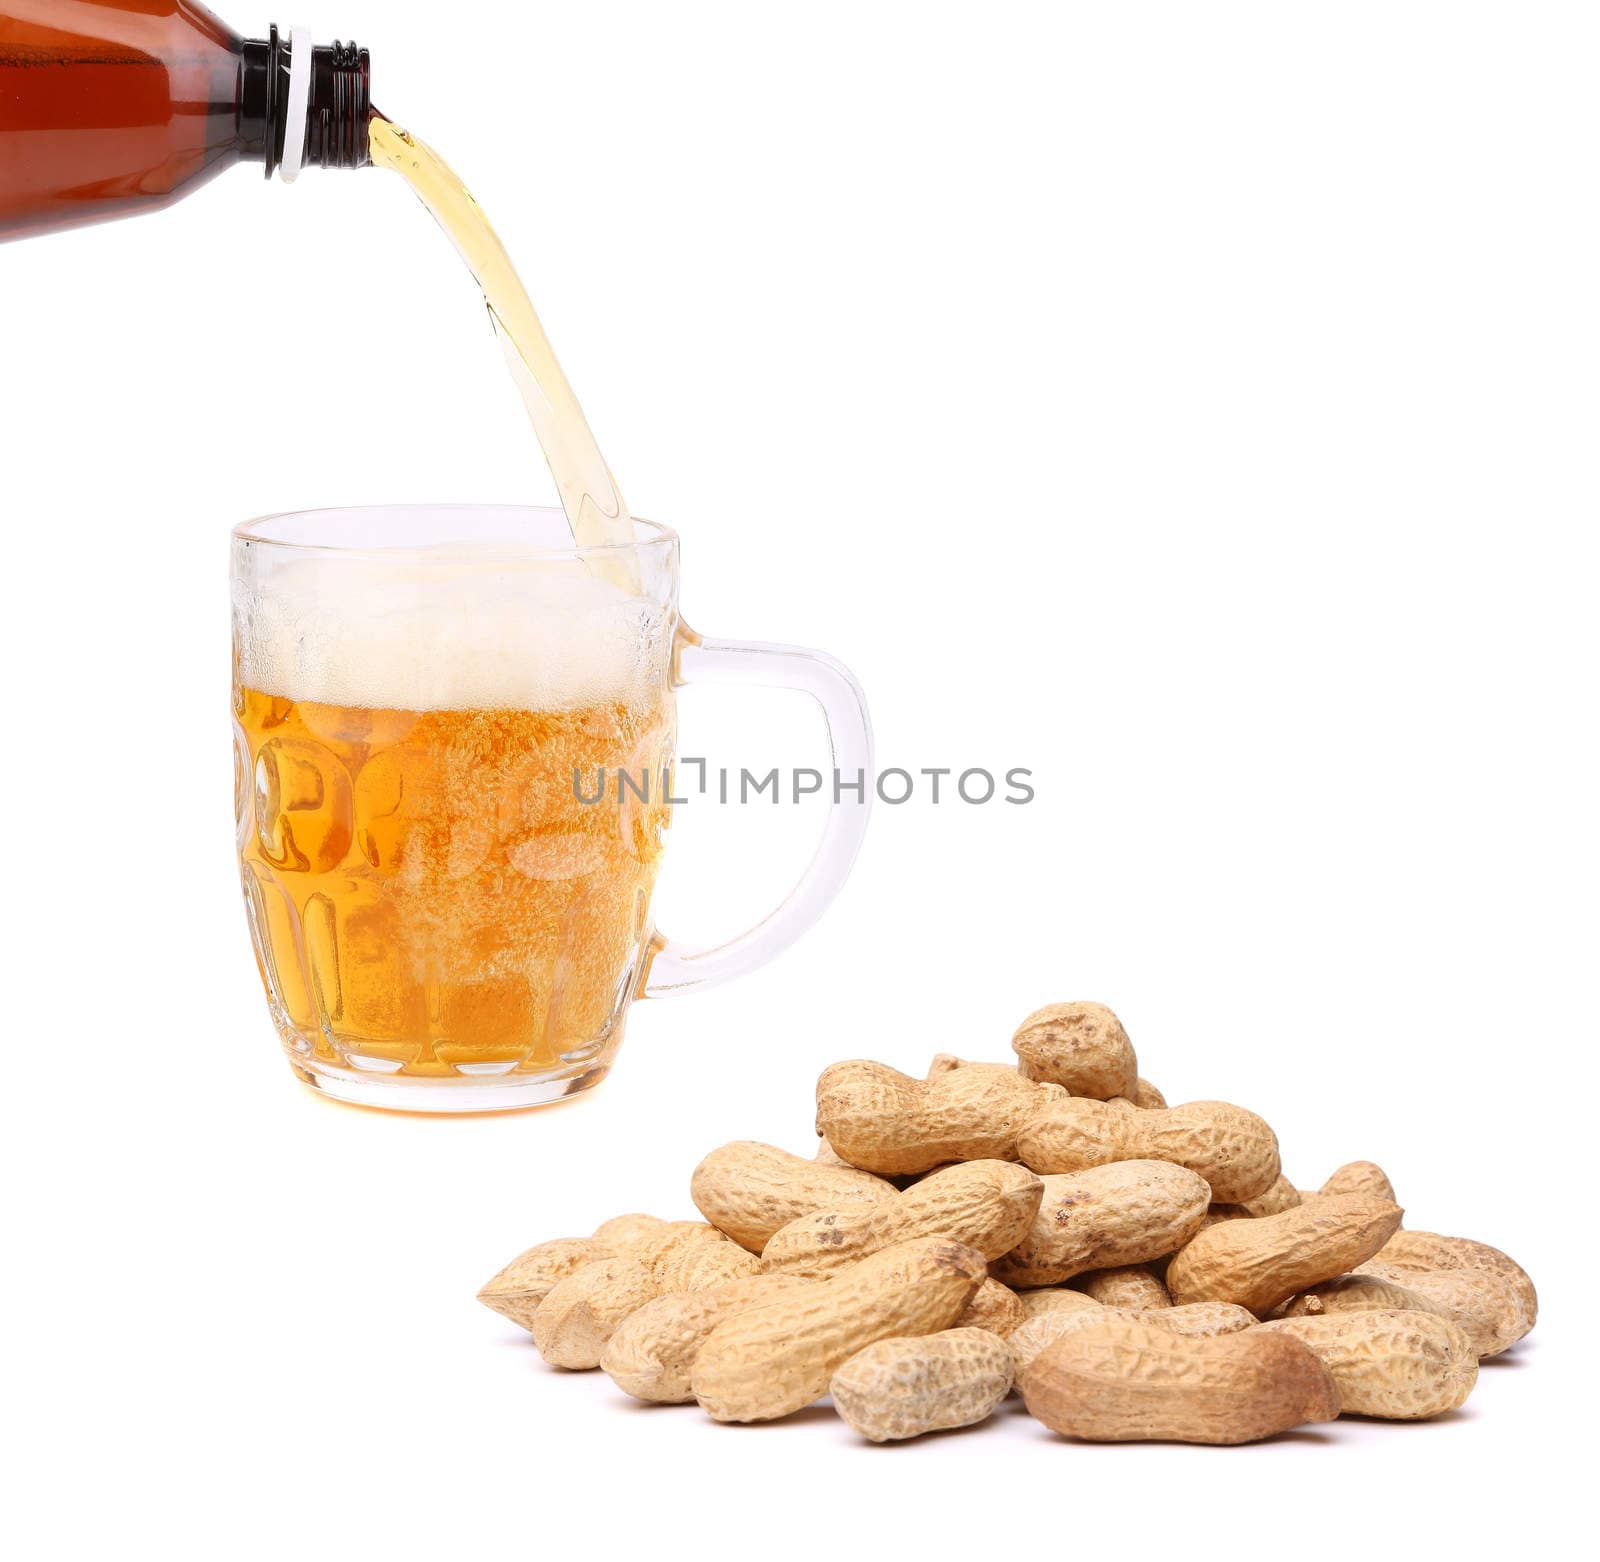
331, 129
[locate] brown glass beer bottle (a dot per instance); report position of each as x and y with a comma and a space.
113, 107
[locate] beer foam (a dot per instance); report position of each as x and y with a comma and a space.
446, 633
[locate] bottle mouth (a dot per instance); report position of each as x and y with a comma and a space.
339, 107
337, 95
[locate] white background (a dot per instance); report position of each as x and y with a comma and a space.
1196, 405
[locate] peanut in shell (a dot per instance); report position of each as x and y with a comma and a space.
1258, 1263
776, 1359
1126, 1213
1124, 1380
887, 1122
901, 1388
1395, 1363
1080, 1046
1234, 1150
748, 1190
988, 1205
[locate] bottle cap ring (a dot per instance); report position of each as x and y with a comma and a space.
299, 107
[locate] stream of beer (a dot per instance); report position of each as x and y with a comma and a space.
589, 493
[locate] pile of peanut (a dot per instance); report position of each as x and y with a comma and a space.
1136, 1271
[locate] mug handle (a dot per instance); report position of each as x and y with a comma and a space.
672, 967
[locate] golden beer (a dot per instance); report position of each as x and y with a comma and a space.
426, 891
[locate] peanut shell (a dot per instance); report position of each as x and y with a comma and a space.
1355, 1293
622, 1231
988, 1205
887, 1122
900, 1388
517, 1290
1126, 1213
1234, 1150
652, 1352
776, 1359
1124, 1380
1080, 1046
1052, 1299
581, 1313
1484, 1304
1261, 1262
1360, 1177
1419, 1250
748, 1190
1144, 1096
1397, 1364
1136, 1287
697, 1266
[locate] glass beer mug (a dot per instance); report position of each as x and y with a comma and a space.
446, 916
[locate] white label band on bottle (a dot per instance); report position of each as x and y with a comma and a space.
296, 120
